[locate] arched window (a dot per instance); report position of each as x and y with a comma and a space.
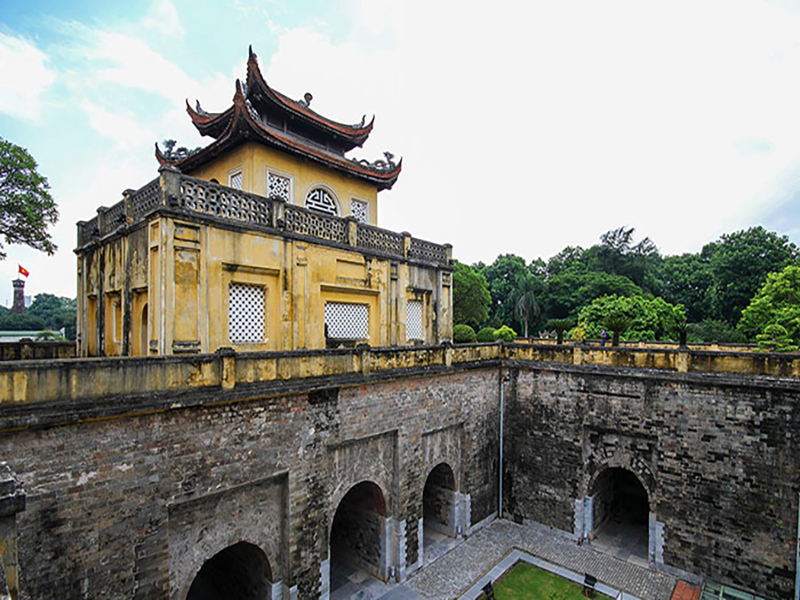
322, 201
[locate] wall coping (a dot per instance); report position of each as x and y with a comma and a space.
37, 382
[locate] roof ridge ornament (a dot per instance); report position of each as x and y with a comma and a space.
379, 164
306, 101
199, 109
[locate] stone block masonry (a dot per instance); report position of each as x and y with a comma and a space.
717, 456
132, 506
129, 494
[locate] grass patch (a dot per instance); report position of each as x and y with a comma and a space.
526, 581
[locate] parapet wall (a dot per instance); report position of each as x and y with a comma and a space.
154, 465
82, 379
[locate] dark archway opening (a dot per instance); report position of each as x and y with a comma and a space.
143, 341
357, 538
439, 512
621, 514
238, 571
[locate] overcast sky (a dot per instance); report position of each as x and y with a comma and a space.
524, 127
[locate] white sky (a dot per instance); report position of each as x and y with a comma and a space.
524, 127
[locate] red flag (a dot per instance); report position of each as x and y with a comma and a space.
23, 270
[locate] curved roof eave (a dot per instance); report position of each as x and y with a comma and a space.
242, 121
355, 134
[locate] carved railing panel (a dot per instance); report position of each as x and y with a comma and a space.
305, 222
428, 251
87, 231
382, 240
114, 217
146, 199
212, 199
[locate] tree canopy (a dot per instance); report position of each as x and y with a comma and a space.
702, 293
650, 318
776, 303
26, 207
47, 311
471, 299
740, 264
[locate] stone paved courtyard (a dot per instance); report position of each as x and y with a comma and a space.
454, 573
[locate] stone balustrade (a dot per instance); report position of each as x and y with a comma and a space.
174, 192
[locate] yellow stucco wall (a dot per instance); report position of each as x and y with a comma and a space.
181, 272
254, 160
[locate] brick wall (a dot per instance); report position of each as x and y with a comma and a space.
717, 456
133, 504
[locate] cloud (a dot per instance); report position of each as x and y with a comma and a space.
124, 128
163, 18
25, 77
133, 63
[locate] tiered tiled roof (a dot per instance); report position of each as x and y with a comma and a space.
264, 115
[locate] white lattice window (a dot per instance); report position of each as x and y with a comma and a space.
322, 201
346, 321
414, 320
246, 318
235, 179
279, 186
359, 211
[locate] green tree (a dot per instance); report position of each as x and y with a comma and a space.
776, 339
565, 294
687, 279
560, 326
26, 207
24, 322
618, 255
714, 331
569, 258
471, 299
47, 311
504, 276
740, 264
776, 303
527, 306
650, 318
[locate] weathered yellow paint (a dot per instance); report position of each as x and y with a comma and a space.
254, 160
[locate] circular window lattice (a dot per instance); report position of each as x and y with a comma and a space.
246, 313
345, 321
320, 200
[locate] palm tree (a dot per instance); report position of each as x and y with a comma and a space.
527, 306
561, 325
617, 324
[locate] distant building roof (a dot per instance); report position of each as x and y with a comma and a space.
15, 336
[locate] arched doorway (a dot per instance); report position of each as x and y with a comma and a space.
239, 571
620, 515
358, 538
439, 512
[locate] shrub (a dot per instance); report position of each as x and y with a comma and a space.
776, 339
463, 334
506, 334
578, 333
486, 334
711, 330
